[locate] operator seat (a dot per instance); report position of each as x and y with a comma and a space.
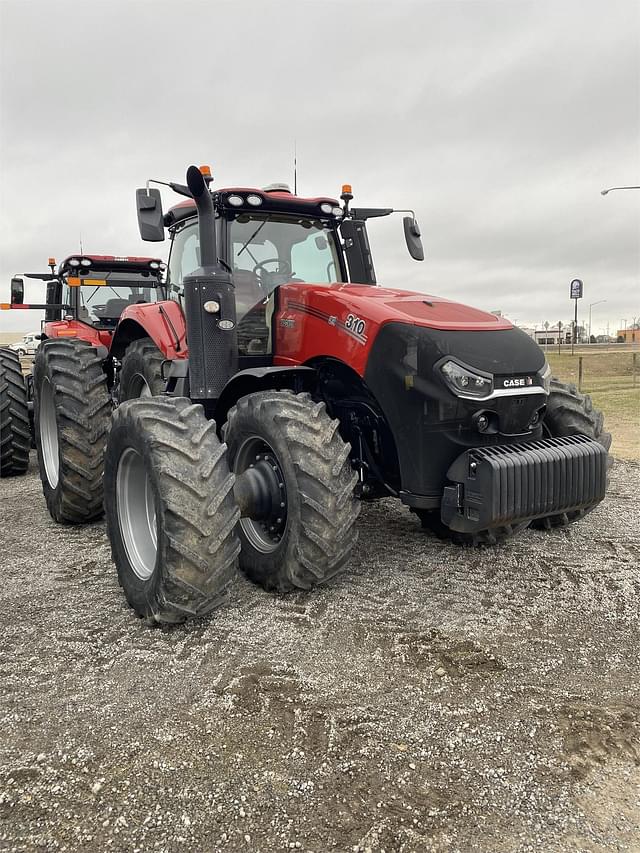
114, 307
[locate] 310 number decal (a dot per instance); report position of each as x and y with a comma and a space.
355, 324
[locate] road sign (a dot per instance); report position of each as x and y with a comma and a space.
576, 289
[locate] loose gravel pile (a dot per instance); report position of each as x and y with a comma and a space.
432, 699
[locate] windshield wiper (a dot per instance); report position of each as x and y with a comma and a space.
255, 234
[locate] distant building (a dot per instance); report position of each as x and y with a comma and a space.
630, 335
553, 336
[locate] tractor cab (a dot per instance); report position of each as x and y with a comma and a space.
265, 238
93, 290
96, 289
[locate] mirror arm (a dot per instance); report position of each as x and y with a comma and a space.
181, 189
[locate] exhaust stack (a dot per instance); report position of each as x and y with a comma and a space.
211, 331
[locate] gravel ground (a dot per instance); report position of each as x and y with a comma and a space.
432, 699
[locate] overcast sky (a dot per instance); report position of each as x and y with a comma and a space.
498, 121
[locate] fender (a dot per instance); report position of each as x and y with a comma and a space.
163, 322
297, 378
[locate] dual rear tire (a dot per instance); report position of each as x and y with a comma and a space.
15, 431
72, 410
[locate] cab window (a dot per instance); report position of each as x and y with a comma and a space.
184, 258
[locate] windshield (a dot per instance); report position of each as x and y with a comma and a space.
104, 303
276, 249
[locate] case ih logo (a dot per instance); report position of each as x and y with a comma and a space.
520, 382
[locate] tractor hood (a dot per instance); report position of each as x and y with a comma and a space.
384, 305
343, 320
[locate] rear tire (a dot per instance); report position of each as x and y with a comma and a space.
314, 536
141, 372
571, 413
15, 432
72, 409
171, 515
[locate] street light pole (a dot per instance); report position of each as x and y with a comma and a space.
611, 189
599, 302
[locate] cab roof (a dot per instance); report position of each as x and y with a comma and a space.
272, 200
121, 263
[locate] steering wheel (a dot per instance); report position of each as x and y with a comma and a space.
284, 267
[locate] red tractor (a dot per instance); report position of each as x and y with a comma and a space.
290, 387
87, 298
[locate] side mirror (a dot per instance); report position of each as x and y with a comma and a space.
412, 236
17, 291
150, 217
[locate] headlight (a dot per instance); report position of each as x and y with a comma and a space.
464, 382
545, 375
74, 262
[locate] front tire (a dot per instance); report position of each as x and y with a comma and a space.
72, 408
15, 432
305, 531
170, 511
141, 372
431, 521
571, 413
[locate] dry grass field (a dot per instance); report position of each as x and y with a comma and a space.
10, 337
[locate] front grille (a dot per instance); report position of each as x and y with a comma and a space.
493, 486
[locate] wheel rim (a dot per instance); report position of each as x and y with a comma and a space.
266, 532
49, 434
136, 510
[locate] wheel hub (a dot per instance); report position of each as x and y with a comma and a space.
261, 494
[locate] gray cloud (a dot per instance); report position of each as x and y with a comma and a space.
499, 122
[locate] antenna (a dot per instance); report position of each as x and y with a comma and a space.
81, 252
295, 167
